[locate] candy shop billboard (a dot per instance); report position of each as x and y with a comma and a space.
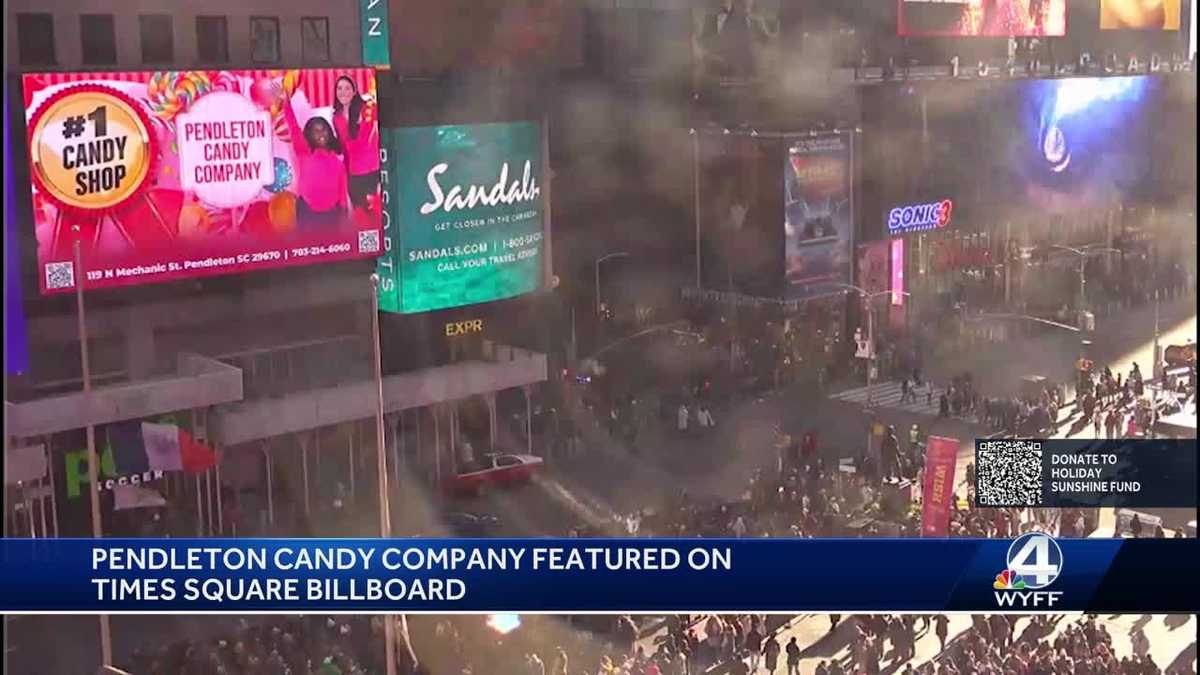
171, 175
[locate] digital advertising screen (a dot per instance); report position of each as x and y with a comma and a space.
982, 18
735, 41
1139, 14
465, 216
1054, 146
170, 175
1081, 142
818, 216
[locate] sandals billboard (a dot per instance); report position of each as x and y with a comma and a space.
463, 220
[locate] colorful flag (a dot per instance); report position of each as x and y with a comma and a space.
144, 446
941, 455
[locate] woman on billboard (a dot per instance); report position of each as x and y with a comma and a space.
357, 131
321, 184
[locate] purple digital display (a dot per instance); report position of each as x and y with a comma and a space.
16, 339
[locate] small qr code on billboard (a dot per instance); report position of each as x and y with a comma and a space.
1008, 473
368, 241
60, 275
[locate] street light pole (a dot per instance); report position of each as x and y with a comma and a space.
616, 254
93, 459
385, 515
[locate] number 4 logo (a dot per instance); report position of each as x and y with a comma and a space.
1037, 559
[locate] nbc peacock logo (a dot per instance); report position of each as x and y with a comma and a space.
1008, 580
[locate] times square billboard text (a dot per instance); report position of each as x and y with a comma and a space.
170, 175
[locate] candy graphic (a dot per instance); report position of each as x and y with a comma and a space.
172, 92
193, 221
283, 176
282, 211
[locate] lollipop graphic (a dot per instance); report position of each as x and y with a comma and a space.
172, 92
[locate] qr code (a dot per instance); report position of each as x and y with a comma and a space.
368, 241
1008, 473
60, 275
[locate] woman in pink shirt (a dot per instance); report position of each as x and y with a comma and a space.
320, 173
358, 132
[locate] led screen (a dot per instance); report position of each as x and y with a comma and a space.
169, 175
464, 219
983, 18
1139, 14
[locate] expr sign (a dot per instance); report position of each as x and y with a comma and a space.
919, 217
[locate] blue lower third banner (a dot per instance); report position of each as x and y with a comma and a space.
1031, 573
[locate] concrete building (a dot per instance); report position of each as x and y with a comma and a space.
269, 367
150, 35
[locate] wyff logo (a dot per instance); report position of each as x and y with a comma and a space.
1034, 562
920, 217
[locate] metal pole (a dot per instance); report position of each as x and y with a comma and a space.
598, 286
304, 475
350, 451
220, 514
528, 421
199, 510
53, 487
437, 446
93, 458
270, 487
208, 499
385, 517
870, 353
696, 197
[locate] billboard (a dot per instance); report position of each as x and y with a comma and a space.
735, 41
982, 18
1139, 14
16, 338
818, 215
1082, 142
171, 175
465, 206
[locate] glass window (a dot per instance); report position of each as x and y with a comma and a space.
212, 39
158, 38
264, 39
314, 34
35, 39
97, 32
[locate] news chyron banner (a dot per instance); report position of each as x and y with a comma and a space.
1034, 572
971, 18
170, 175
465, 216
818, 214
1147, 15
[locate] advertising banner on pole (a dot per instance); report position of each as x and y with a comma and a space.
375, 49
16, 337
941, 455
819, 221
466, 204
171, 175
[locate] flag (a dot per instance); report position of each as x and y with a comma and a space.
24, 465
144, 446
136, 497
941, 454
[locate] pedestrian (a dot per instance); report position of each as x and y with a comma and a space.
904, 391
681, 419
771, 653
929, 394
1098, 422
834, 620
941, 627
793, 657
754, 644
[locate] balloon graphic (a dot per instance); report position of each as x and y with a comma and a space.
193, 221
283, 176
256, 220
282, 210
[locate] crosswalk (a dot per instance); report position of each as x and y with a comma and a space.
887, 395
